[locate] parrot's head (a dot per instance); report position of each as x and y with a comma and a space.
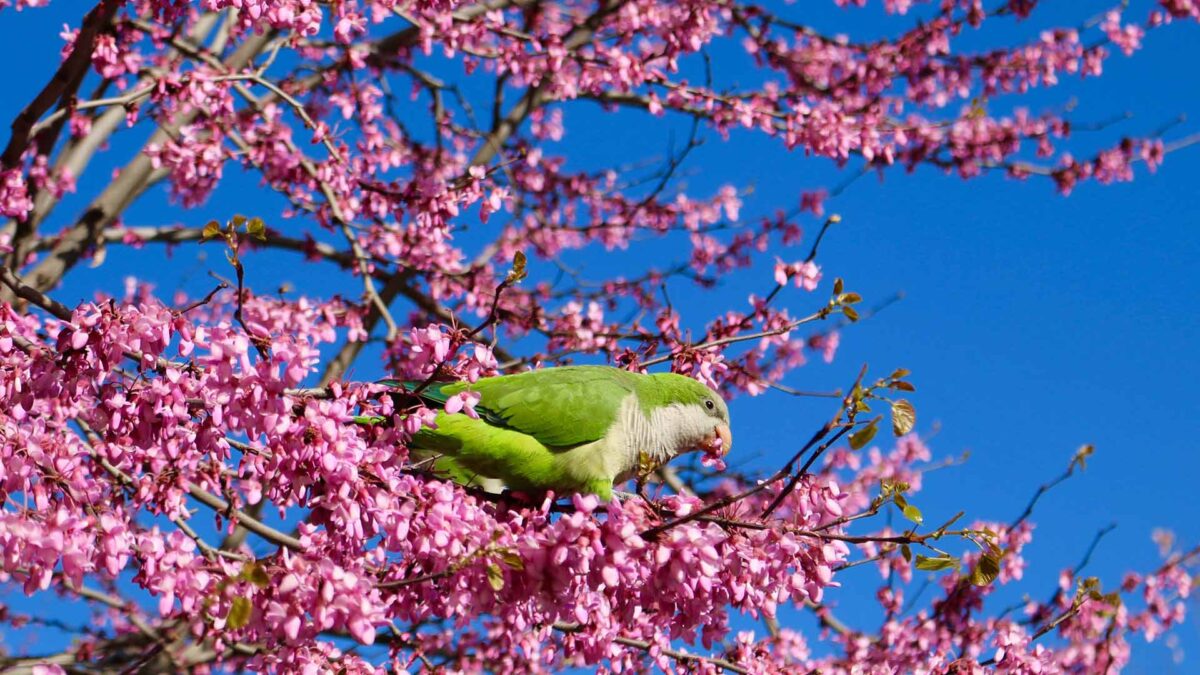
700, 414
720, 441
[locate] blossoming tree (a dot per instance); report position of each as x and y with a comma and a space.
189, 467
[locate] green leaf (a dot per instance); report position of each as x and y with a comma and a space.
906, 552
860, 438
838, 285
849, 298
239, 613
212, 229
850, 313
495, 576
255, 228
901, 385
978, 107
904, 417
936, 563
513, 560
369, 420
1082, 454
255, 574
1088, 587
517, 273
986, 570
913, 513
238, 221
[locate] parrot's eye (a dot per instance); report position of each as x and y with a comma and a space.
709, 404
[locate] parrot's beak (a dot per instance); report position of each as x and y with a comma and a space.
722, 435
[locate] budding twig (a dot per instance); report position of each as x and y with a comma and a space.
677, 655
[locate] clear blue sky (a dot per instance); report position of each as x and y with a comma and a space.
1032, 323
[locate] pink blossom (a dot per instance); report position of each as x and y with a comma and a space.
803, 274
463, 402
1128, 38
14, 196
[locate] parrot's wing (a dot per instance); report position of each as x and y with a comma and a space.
559, 407
434, 395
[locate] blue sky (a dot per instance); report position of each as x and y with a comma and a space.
1032, 323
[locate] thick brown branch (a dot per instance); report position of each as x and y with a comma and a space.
129, 184
26, 292
65, 81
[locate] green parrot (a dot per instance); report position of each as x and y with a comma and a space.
570, 429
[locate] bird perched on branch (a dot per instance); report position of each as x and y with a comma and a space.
569, 429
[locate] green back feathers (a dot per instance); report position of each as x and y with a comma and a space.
560, 407
566, 406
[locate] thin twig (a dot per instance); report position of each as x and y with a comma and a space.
1076, 460
244, 519
683, 657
